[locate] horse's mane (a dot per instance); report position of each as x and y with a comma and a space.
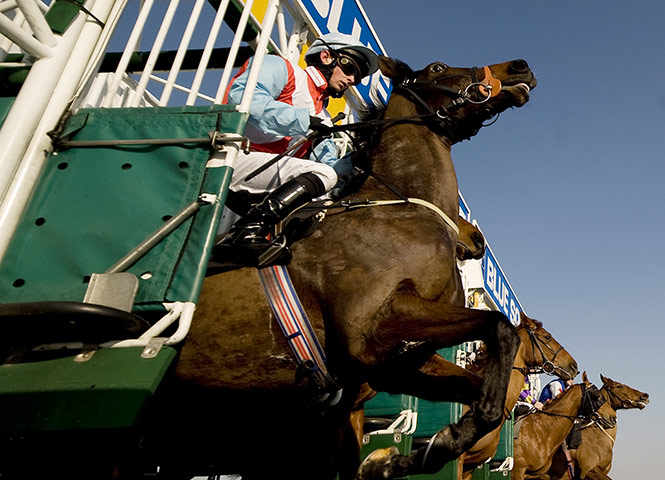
368, 138
537, 323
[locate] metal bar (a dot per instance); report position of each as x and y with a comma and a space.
182, 88
182, 49
144, 141
23, 39
207, 51
37, 22
154, 53
252, 79
281, 29
132, 44
5, 43
233, 52
154, 238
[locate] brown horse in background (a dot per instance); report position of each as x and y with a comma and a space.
381, 288
593, 458
538, 353
542, 432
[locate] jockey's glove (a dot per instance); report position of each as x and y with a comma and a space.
320, 126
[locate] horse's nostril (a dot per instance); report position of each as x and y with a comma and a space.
519, 66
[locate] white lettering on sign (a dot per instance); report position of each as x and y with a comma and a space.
322, 7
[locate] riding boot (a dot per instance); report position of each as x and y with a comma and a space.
248, 242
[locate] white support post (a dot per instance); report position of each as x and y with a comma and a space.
23, 39
35, 18
233, 52
132, 44
207, 52
154, 53
180, 54
261, 50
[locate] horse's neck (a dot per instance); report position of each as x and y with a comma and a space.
415, 160
568, 403
516, 376
559, 424
609, 398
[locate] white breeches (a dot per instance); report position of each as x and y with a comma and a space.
279, 173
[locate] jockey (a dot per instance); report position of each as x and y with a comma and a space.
288, 103
527, 400
554, 388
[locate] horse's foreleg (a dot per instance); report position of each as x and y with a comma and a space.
441, 325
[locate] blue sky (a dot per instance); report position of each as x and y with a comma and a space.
568, 189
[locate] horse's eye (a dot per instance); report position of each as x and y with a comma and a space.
548, 338
438, 68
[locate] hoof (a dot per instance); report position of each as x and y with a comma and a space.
377, 464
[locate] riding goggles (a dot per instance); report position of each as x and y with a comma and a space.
349, 67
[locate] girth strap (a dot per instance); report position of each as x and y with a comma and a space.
297, 329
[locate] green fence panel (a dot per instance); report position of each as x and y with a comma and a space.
94, 205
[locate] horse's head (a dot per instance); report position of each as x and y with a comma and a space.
461, 99
471, 242
594, 406
542, 352
624, 397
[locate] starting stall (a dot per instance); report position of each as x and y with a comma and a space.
116, 157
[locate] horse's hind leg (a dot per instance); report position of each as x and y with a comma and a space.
441, 325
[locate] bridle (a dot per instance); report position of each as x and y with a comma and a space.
439, 116
588, 410
623, 403
548, 366
487, 88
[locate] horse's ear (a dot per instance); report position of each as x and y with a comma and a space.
585, 379
524, 320
605, 380
394, 69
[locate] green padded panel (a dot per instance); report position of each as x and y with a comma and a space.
386, 405
94, 205
5, 106
108, 391
448, 472
432, 416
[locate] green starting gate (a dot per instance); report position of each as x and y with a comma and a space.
115, 162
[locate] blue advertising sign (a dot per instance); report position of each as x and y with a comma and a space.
498, 288
347, 16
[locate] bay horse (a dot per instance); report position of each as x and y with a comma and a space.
381, 288
539, 352
593, 457
543, 431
